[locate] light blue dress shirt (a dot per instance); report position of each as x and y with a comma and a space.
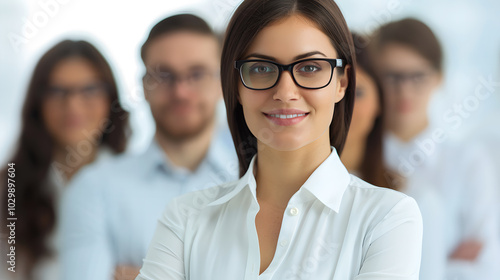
111, 209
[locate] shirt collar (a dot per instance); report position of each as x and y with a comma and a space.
327, 183
418, 152
248, 180
220, 157
154, 158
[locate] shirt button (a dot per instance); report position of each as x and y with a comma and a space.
283, 243
294, 211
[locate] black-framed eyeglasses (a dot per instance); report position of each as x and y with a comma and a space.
311, 73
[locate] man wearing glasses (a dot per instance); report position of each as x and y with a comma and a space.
111, 209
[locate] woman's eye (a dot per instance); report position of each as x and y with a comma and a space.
309, 68
56, 92
417, 78
261, 69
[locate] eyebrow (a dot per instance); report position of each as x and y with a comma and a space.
300, 56
163, 68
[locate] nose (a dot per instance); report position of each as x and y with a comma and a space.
404, 88
73, 100
286, 89
181, 88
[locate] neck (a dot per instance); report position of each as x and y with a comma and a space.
280, 174
60, 155
352, 155
188, 153
409, 132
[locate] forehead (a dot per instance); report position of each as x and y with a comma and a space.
397, 56
183, 49
74, 70
289, 37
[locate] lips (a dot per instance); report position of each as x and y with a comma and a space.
286, 117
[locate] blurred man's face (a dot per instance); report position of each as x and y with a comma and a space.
182, 83
409, 81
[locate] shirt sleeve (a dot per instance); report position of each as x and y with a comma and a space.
395, 245
165, 256
86, 248
434, 253
479, 215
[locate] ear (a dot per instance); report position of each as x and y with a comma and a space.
342, 84
144, 89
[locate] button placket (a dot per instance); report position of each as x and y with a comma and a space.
253, 263
288, 227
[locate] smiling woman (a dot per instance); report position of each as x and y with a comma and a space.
288, 82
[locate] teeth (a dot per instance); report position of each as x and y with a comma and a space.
287, 116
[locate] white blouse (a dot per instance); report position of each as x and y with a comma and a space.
335, 227
461, 175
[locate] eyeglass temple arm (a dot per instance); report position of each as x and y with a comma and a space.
340, 62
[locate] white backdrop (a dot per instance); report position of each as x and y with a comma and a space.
468, 30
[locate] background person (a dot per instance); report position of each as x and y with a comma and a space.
111, 209
71, 118
410, 64
363, 156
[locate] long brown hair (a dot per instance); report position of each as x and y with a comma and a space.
373, 169
250, 18
35, 205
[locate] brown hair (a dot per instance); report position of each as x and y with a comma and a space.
248, 20
177, 23
414, 34
35, 208
373, 169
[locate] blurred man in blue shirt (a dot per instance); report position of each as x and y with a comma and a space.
111, 209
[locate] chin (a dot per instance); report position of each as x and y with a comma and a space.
286, 144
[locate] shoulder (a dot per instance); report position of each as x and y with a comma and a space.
373, 194
108, 167
93, 178
377, 204
192, 204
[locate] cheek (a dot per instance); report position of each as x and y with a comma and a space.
364, 114
252, 105
98, 113
324, 104
50, 116
373, 107
424, 99
390, 101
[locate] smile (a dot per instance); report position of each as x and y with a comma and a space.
286, 119
287, 116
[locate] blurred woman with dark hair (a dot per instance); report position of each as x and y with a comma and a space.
71, 117
410, 64
363, 151
363, 156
